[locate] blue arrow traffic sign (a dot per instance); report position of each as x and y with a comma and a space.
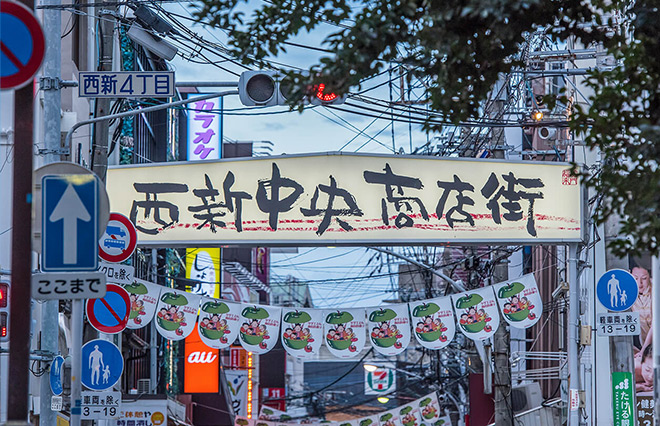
102, 365
617, 290
56, 371
69, 223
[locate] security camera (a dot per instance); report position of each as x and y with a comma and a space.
150, 42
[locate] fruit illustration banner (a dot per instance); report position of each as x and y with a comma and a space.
409, 415
424, 411
429, 410
260, 327
345, 331
389, 329
520, 301
177, 313
219, 322
144, 299
477, 313
302, 331
390, 418
433, 322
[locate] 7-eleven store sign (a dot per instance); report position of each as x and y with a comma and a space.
380, 381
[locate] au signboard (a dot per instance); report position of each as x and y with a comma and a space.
329, 199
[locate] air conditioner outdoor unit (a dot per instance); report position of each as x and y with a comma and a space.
526, 397
143, 386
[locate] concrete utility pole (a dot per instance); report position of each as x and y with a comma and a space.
501, 349
575, 385
102, 105
50, 84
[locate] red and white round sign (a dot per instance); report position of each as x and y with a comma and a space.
119, 240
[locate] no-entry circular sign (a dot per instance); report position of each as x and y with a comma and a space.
119, 240
109, 314
21, 45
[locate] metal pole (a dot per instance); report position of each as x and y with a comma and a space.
573, 335
50, 84
457, 286
655, 288
76, 360
72, 130
153, 351
21, 253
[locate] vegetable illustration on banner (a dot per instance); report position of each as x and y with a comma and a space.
389, 329
302, 331
219, 322
433, 322
520, 301
348, 423
345, 332
144, 299
429, 409
390, 418
259, 328
177, 313
409, 415
368, 421
478, 316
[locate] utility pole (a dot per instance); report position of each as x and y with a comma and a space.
501, 349
50, 84
655, 289
102, 105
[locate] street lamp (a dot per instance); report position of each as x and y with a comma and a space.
370, 367
383, 399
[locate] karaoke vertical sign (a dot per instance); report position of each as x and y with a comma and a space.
205, 130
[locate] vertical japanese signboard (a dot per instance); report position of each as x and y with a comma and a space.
623, 405
205, 130
349, 199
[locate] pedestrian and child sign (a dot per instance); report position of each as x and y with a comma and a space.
617, 290
102, 365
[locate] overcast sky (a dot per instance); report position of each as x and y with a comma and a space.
317, 129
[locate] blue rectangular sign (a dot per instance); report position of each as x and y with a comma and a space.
69, 223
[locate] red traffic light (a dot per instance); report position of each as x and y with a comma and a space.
4, 295
325, 97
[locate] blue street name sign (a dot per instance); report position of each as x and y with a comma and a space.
617, 290
69, 223
56, 370
102, 365
126, 84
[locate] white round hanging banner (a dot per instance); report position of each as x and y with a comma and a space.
302, 331
345, 331
144, 299
520, 301
260, 327
433, 322
176, 313
219, 322
477, 313
389, 328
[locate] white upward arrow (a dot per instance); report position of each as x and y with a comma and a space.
69, 209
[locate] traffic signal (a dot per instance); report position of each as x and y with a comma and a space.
268, 88
4, 311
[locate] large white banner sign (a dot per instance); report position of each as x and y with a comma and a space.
348, 198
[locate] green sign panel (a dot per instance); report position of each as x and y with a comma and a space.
623, 402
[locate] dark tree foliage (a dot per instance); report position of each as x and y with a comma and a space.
463, 46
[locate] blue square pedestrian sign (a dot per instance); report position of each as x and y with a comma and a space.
69, 222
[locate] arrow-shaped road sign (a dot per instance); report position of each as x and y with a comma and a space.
69, 222
69, 209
